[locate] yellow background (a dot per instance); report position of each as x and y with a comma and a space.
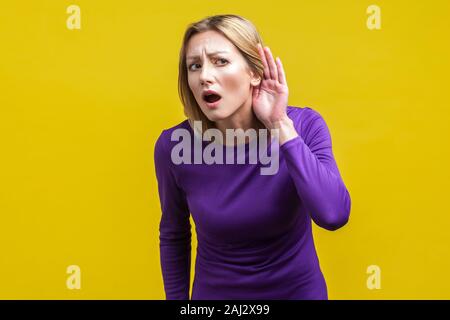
80, 111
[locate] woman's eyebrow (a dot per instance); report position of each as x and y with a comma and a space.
209, 54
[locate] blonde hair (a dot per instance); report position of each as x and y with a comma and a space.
239, 31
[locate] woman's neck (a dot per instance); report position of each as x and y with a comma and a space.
244, 118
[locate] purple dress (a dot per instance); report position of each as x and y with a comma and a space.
254, 231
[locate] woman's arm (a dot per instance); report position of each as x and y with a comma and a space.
311, 165
314, 171
174, 227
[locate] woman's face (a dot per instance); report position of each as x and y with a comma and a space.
214, 63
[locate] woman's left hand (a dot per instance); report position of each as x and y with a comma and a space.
270, 97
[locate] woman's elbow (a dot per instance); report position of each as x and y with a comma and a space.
334, 222
336, 219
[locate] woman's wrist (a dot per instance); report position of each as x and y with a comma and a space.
285, 128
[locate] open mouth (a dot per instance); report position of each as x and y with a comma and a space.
211, 98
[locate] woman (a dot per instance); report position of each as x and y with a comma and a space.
254, 231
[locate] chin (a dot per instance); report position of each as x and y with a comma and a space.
215, 116
218, 114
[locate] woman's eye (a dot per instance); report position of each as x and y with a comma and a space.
194, 64
224, 60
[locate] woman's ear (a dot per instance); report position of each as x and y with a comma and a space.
255, 82
255, 79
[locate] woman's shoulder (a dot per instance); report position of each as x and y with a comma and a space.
165, 137
309, 123
304, 118
168, 131
296, 111
302, 115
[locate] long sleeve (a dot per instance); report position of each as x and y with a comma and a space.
174, 227
312, 167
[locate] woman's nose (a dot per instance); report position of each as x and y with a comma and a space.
206, 74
